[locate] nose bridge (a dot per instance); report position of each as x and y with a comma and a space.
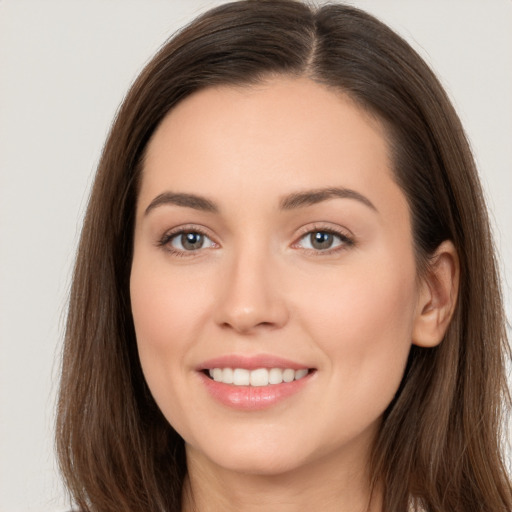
251, 296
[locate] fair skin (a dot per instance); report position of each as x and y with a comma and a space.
238, 259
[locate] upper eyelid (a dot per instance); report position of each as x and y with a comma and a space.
346, 237
169, 234
327, 227
343, 238
188, 228
302, 232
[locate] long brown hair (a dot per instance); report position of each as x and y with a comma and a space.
440, 445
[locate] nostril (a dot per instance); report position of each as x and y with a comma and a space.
246, 326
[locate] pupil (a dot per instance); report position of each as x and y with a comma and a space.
321, 240
192, 241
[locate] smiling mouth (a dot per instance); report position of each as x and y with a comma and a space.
256, 378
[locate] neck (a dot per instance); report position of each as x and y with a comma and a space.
325, 485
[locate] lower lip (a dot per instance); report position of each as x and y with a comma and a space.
253, 398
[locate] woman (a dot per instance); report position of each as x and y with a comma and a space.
285, 294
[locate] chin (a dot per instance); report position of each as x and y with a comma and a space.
258, 465
252, 457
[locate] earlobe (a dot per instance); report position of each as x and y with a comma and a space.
437, 297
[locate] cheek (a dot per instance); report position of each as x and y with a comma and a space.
167, 313
363, 321
167, 306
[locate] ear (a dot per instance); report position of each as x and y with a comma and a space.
437, 296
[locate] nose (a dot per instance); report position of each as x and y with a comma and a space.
252, 297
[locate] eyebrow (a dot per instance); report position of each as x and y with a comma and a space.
289, 202
311, 197
186, 200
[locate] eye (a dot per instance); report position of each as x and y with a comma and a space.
188, 241
323, 240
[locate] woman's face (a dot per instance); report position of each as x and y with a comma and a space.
272, 243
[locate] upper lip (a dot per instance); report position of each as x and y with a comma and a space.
251, 362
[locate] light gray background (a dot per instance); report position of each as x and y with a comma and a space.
64, 68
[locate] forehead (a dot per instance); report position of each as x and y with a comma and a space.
283, 133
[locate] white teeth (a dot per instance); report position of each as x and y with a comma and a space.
300, 373
288, 375
259, 377
256, 378
275, 376
227, 376
241, 377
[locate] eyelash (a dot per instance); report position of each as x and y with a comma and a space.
346, 241
164, 242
